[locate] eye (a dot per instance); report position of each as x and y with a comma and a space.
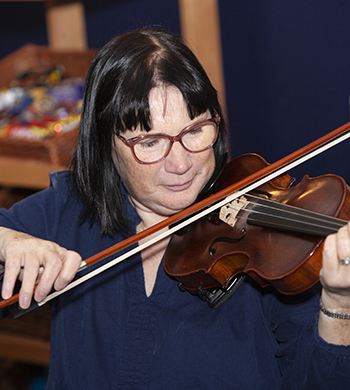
148, 143
195, 131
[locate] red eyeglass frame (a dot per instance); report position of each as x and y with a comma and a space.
132, 141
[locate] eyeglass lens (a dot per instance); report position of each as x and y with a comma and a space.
151, 149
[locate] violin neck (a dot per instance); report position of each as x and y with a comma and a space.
271, 214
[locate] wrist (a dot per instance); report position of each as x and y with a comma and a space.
339, 314
336, 301
333, 324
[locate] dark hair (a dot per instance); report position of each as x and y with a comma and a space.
116, 99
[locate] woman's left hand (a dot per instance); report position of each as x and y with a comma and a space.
335, 279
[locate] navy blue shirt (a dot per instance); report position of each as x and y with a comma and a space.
107, 334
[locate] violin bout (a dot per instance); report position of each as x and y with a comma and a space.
243, 238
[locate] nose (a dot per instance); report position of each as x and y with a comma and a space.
179, 160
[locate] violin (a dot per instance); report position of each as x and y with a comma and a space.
274, 234
207, 268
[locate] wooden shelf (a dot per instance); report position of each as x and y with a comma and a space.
24, 349
27, 338
26, 173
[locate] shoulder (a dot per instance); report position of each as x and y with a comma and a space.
39, 213
61, 182
59, 196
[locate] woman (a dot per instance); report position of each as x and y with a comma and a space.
152, 135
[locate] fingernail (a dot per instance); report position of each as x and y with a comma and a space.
59, 285
6, 294
24, 303
39, 296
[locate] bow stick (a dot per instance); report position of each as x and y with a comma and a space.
199, 210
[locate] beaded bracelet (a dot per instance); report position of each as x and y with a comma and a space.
333, 314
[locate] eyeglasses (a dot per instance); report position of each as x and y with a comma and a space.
153, 148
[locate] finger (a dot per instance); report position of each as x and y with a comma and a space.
330, 254
12, 270
31, 265
343, 242
53, 264
329, 270
334, 276
60, 268
71, 264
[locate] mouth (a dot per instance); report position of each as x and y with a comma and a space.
179, 187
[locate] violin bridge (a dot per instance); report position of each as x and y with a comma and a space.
228, 213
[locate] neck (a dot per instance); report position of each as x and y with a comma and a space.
151, 258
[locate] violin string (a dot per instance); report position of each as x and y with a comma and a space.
316, 220
331, 220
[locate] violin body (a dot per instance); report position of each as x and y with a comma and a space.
210, 253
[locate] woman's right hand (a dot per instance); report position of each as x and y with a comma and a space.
34, 260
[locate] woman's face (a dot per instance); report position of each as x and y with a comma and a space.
173, 184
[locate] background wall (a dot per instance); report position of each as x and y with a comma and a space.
287, 70
287, 65
20, 23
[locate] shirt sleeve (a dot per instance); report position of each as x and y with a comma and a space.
36, 215
306, 360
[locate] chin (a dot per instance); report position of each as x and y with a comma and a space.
173, 209
176, 203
